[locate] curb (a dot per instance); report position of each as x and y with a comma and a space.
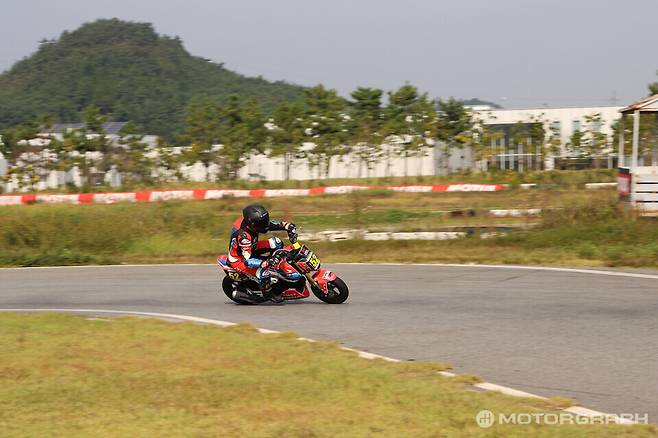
486, 386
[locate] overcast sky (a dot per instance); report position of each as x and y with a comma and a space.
520, 53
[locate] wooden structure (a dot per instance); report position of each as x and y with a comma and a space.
638, 185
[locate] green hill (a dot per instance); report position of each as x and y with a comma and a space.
128, 71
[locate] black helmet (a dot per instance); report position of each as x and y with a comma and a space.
256, 218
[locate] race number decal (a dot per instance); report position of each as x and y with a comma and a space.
314, 262
234, 275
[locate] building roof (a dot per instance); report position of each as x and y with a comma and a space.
110, 128
648, 104
544, 109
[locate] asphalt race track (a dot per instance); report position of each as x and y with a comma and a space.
590, 337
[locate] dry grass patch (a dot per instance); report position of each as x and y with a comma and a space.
70, 376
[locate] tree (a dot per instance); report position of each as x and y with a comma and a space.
410, 122
24, 174
166, 163
131, 155
367, 119
202, 131
590, 142
482, 142
71, 151
12, 138
242, 131
455, 126
286, 132
96, 139
594, 143
93, 119
653, 87
27, 162
554, 140
224, 135
529, 140
326, 125
575, 142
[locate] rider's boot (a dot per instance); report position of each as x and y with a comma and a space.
266, 286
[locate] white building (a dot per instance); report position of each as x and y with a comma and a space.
564, 122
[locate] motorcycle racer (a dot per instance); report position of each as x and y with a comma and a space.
244, 247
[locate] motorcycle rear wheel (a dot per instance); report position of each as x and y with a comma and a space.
338, 292
227, 287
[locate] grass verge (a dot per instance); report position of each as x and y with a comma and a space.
579, 228
69, 376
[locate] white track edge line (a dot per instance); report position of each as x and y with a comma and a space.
447, 265
576, 410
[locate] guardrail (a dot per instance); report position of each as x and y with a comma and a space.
206, 194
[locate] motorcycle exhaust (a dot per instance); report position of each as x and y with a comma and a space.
240, 295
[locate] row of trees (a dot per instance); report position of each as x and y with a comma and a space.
323, 125
88, 148
370, 125
317, 127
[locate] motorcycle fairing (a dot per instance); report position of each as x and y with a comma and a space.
322, 277
233, 274
293, 294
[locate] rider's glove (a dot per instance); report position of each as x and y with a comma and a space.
292, 232
274, 261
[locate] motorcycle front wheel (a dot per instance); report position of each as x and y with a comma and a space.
338, 292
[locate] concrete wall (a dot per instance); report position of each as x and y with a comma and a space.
3, 164
348, 166
261, 167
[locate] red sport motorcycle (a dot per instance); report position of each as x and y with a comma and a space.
290, 260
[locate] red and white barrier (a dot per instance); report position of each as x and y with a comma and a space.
11, 200
204, 194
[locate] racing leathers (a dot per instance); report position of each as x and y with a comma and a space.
244, 249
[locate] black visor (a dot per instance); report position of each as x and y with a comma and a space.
261, 224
